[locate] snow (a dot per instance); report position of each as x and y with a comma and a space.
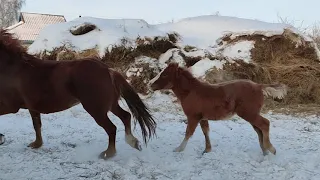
239, 50
108, 32
202, 32
73, 141
200, 68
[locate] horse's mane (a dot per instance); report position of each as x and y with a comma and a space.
10, 44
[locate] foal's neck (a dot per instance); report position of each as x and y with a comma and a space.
184, 85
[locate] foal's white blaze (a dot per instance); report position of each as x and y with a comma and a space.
157, 77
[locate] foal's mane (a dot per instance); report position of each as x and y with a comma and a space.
10, 44
187, 74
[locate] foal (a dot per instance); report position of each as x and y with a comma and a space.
202, 101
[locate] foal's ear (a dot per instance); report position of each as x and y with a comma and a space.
173, 65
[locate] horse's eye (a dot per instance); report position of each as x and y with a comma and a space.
165, 75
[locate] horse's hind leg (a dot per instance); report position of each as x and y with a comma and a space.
111, 130
100, 116
126, 120
260, 136
205, 129
36, 120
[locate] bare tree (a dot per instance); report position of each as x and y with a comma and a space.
9, 11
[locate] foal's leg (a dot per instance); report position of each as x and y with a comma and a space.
191, 127
205, 129
264, 125
260, 136
36, 120
126, 120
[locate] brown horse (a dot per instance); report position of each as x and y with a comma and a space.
50, 86
202, 101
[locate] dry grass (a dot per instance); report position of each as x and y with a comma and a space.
190, 60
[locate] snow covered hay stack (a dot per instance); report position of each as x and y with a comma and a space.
215, 48
288, 58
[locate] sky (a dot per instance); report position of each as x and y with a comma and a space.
302, 13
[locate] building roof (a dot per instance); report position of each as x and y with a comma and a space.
30, 25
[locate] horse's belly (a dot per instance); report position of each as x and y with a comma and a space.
52, 105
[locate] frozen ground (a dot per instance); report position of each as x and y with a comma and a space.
73, 141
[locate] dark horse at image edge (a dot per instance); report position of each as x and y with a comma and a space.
44, 86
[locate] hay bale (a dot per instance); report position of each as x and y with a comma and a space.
66, 55
283, 58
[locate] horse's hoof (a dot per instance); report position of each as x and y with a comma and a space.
264, 153
2, 139
107, 154
138, 146
35, 145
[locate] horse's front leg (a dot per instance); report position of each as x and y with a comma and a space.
36, 119
191, 127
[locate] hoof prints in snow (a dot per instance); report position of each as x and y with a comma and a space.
73, 141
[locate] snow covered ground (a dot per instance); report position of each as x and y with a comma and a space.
73, 141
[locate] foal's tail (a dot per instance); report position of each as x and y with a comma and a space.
274, 90
136, 106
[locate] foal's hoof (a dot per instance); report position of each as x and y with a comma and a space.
178, 149
206, 151
2, 139
35, 145
138, 146
107, 154
273, 150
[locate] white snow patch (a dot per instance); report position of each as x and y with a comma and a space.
172, 55
239, 50
73, 141
200, 68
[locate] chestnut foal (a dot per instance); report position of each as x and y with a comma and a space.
202, 101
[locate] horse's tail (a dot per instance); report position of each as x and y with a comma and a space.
136, 106
275, 90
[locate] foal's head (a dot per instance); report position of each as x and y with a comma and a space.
167, 78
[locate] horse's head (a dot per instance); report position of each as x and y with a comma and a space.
10, 51
166, 78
